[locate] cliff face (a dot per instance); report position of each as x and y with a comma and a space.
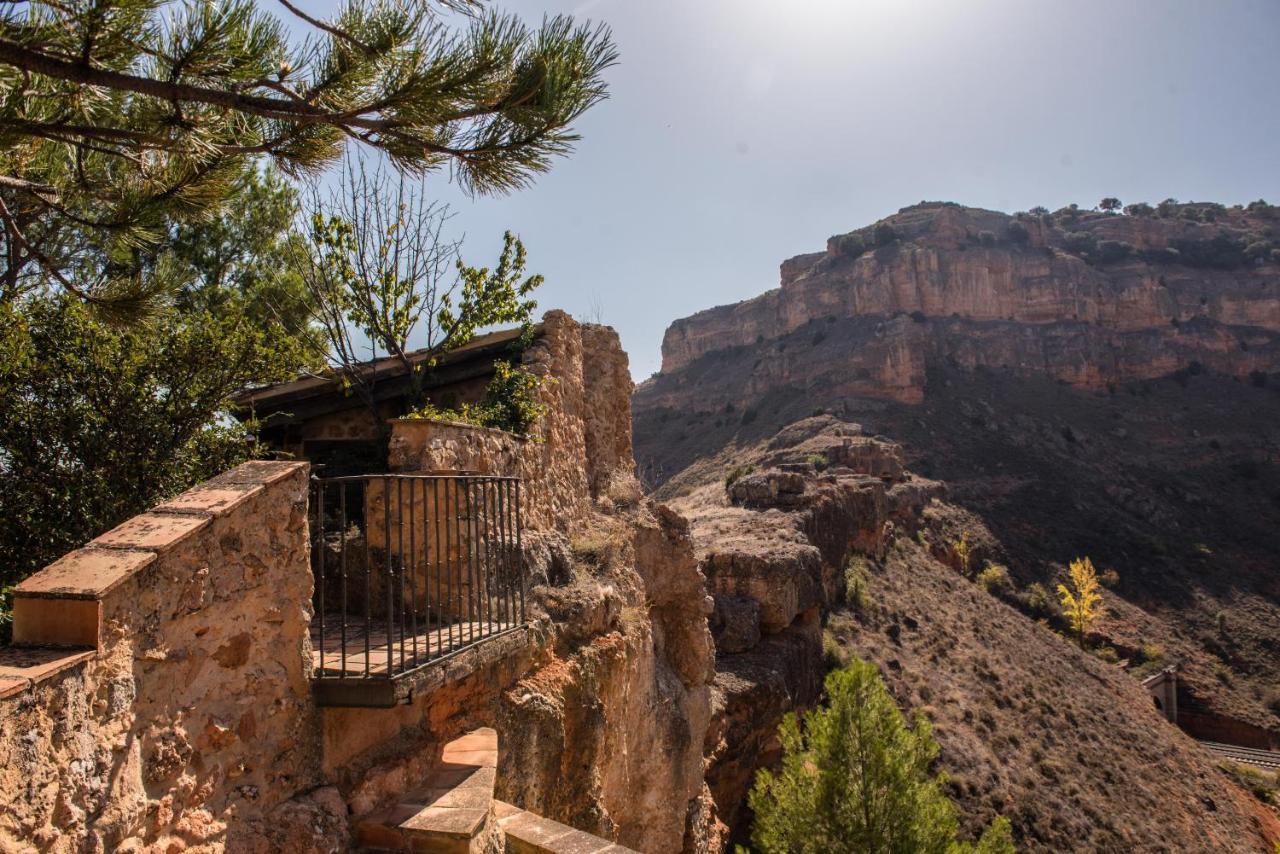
1084, 298
1085, 384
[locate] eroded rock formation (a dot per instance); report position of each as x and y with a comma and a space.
1087, 298
829, 548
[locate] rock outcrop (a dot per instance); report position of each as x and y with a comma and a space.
772, 545
829, 548
1084, 298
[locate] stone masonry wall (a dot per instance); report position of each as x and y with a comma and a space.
581, 442
194, 716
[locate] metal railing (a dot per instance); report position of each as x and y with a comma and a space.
411, 569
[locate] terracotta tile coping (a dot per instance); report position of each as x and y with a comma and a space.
23, 668
87, 573
108, 561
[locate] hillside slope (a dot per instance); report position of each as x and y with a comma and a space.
1124, 406
1083, 383
1068, 747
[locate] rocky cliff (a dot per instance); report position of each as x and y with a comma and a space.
1086, 298
1083, 383
828, 548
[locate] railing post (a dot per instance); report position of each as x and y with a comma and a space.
413, 576
342, 565
319, 546
388, 573
522, 576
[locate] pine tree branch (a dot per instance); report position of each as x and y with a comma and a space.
328, 28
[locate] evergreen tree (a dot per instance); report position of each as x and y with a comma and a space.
855, 778
99, 421
121, 117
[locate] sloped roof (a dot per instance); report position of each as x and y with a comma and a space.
310, 394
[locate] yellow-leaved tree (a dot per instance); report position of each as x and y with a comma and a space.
1082, 604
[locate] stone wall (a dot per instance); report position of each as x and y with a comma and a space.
581, 442
601, 724
191, 715
183, 718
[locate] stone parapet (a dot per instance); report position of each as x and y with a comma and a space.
183, 706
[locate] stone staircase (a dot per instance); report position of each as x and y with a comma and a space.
455, 812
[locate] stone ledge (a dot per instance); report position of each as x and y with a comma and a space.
22, 669
151, 531
461, 425
263, 472
528, 833
211, 500
85, 573
59, 605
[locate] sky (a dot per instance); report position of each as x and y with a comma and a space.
739, 133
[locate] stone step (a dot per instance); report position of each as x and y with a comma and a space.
451, 813
527, 833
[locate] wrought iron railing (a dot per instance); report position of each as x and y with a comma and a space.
411, 569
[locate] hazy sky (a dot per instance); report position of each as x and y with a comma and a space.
743, 132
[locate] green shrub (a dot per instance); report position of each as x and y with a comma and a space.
6, 615
1037, 600
855, 778
736, 474
834, 655
1079, 242
851, 245
1152, 652
1261, 784
1110, 251
856, 581
1107, 654
994, 579
1220, 252
885, 234
510, 402
1017, 232
987, 238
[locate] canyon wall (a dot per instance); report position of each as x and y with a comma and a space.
829, 548
1084, 298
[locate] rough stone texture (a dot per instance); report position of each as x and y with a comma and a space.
574, 450
195, 714
753, 690
735, 624
606, 735
1030, 307
768, 489
312, 823
872, 325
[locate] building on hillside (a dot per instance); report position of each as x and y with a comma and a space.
316, 419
